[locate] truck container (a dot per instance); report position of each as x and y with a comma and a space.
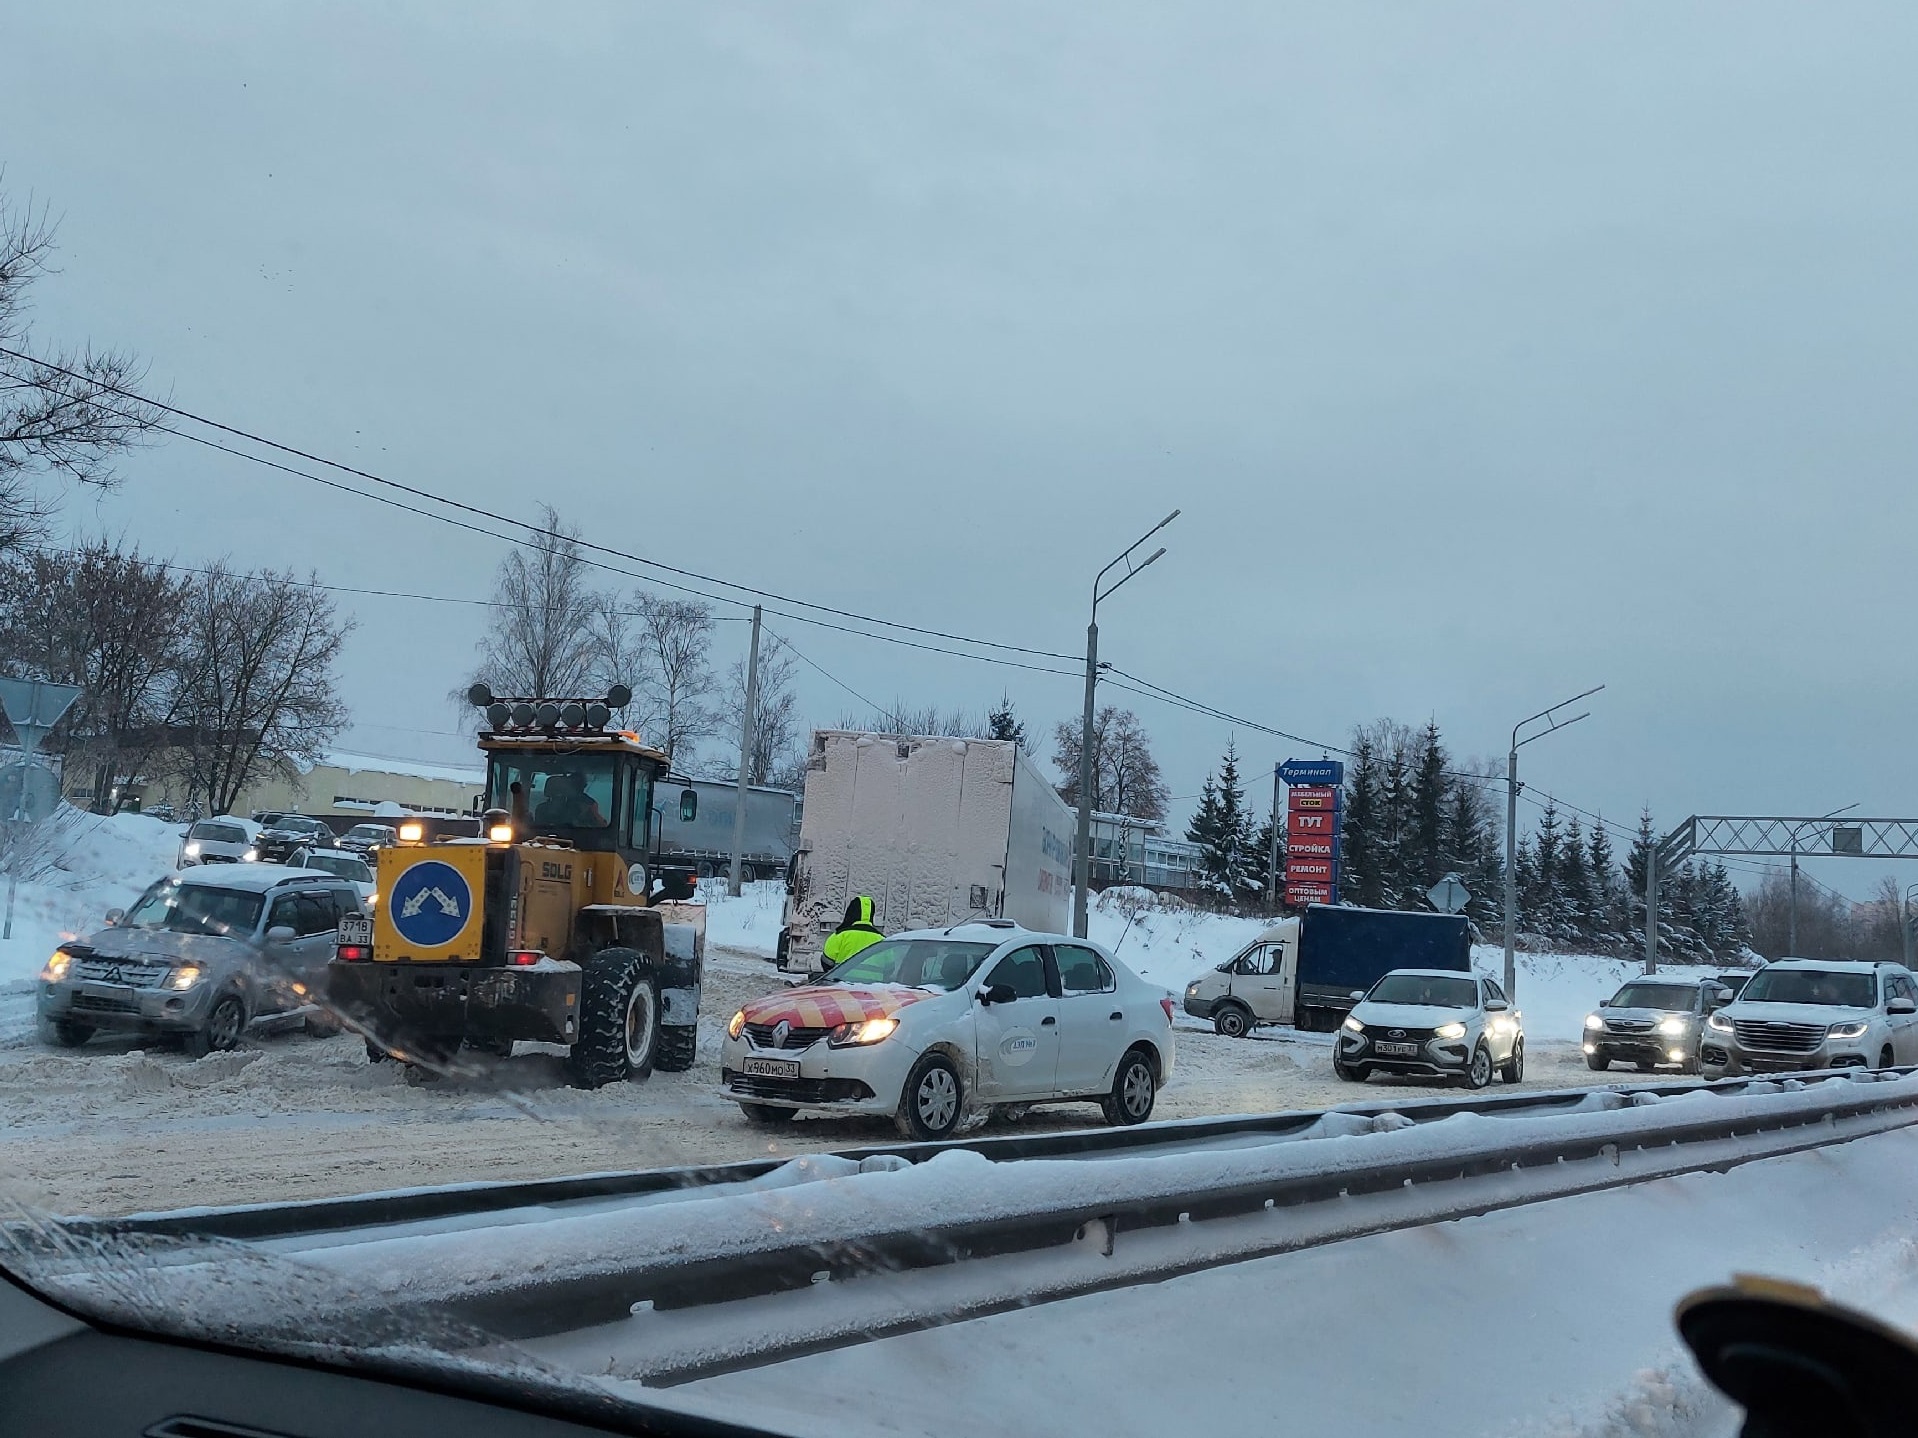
933, 830
704, 843
1304, 972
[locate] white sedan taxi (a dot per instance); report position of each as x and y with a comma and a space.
936, 1026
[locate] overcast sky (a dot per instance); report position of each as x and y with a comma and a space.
1492, 351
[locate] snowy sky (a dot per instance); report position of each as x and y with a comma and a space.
1491, 350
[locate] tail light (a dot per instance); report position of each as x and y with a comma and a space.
353, 953
524, 958
1166, 1004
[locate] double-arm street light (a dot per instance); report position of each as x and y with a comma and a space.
1082, 852
1552, 725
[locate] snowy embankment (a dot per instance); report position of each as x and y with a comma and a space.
71, 870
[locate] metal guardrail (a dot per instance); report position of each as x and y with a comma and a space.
252, 1222
691, 1281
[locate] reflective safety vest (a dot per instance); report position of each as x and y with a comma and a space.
849, 939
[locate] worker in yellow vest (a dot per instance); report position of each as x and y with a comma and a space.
854, 933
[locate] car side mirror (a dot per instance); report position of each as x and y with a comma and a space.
997, 994
1901, 1006
280, 934
1357, 995
688, 805
114, 916
1496, 1006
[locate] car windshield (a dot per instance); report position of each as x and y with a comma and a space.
368, 831
194, 909
344, 865
919, 963
1433, 989
1826, 988
1655, 996
218, 833
294, 824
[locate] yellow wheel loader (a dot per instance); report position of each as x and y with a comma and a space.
544, 927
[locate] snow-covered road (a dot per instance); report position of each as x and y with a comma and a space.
1553, 1319
115, 1129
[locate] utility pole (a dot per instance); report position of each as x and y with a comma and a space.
1651, 910
1904, 922
1552, 725
1082, 851
746, 737
1272, 859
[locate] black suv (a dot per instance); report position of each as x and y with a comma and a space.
282, 837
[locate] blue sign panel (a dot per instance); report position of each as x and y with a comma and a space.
430, 904
1312, 771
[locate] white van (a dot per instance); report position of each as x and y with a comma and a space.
1254, 986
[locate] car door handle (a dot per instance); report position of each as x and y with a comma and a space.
1117, 1018
1048, 1019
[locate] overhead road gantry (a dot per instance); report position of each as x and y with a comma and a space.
1772, 836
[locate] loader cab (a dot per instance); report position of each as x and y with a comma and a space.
597, 798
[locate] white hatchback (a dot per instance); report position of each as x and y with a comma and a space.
938, 1025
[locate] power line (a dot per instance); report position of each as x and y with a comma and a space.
480, 511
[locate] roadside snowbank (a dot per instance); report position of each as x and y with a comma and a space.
73, 869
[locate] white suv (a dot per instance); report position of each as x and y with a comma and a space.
1815, 1014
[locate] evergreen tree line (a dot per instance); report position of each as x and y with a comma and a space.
1413, 814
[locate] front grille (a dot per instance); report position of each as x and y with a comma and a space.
1629, 1026
139, 973
100, 1004
802, 1090
1770, 1036
1392, 1034
762, 1037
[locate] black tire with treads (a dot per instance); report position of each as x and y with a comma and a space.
678, 1048
612, 981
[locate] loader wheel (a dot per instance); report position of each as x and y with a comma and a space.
618, 1020
678, 1047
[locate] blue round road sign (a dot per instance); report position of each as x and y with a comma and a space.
430, 904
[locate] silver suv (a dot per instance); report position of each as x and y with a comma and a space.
1815, 1014
198, 956
1653, 1021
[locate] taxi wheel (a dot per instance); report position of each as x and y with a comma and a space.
768, 1114
1135, 1088
932, 1102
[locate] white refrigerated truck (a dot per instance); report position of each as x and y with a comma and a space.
933, 830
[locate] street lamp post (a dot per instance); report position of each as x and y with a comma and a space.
1552, 725
1082, 854
1791, 905
1904, 922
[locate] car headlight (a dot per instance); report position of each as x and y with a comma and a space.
56, 967
737, 1026
1671, 1027
193, 849
1719, 1024
251, 856
1854, 1030
868, 1031
184, 976
1192, 990
1353, 1025
1453, 1030
1593, 1021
